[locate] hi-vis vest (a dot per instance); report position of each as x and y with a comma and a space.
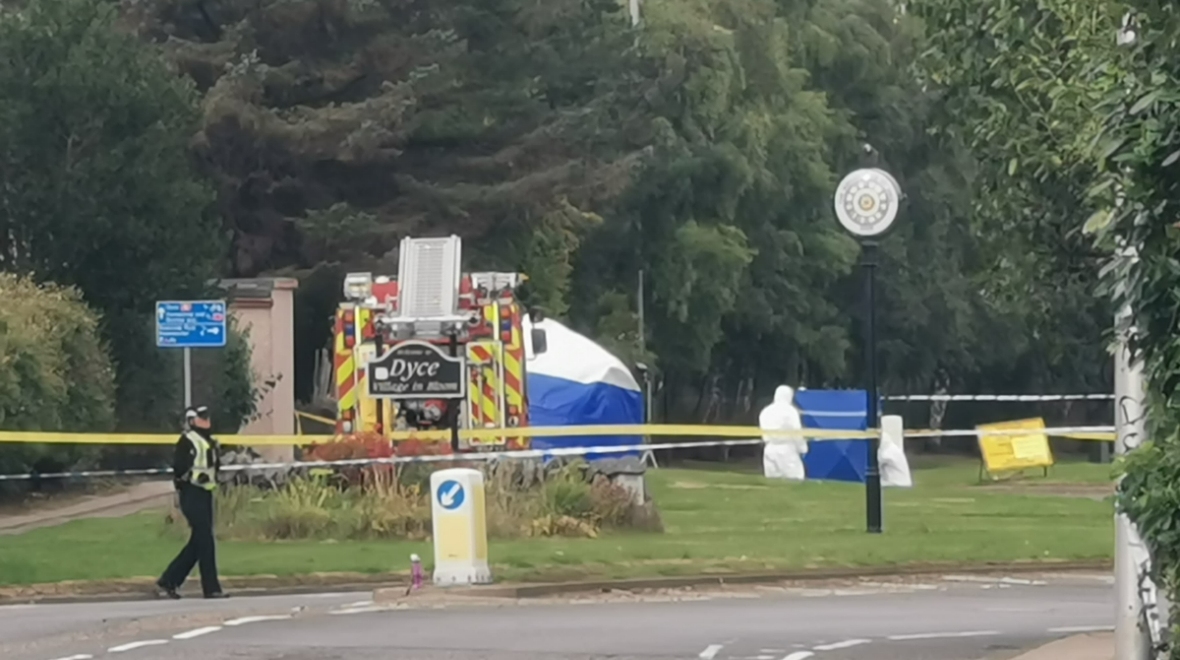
202, 475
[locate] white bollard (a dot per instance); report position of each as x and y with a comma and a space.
459, 521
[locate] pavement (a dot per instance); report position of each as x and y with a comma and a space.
943, 617
1087, 646
141, 496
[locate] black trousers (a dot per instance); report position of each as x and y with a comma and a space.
197, 506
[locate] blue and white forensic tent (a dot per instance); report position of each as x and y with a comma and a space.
835, 460
577, 382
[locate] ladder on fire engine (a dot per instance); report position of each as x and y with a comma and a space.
428, 278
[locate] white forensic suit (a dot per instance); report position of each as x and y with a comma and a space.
782, 457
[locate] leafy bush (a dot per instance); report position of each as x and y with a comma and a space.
566, 494
55, 373
387, 501
374, 445
1148, 494
303, 509
318, 508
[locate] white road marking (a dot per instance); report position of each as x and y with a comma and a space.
136, 645
967, 578
799, 655
846, 644
257, 619
1081, 629
359, 610
946, 635
710, 652
80, 656
360, 603
1000, 581
197, 633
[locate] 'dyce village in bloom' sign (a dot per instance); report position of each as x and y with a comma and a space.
416, 369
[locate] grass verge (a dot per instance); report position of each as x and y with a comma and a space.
715, 522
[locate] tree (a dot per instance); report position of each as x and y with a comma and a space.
729, 214
372, 121
100, 191
1017, 84
702, 148
1084, 127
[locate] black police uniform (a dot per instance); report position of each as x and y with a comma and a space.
196, 503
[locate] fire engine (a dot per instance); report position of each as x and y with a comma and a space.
476, 315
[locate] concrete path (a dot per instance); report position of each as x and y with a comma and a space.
1093, 646
925, 619
141, 496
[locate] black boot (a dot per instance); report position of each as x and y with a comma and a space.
163, 591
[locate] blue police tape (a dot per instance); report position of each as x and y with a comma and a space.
526, 453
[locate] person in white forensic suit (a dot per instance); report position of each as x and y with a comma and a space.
782, 457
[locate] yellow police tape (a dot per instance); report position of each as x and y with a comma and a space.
315, 418
1096, 437
690, 430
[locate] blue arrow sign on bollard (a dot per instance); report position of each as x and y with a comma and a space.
450, 495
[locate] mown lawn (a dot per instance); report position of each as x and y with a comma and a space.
716, 521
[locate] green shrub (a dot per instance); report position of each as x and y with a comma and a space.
55, 372
1149, 494
567, 493
569, 498
379, 503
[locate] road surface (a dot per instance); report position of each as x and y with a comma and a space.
945, 618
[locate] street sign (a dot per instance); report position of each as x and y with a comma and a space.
191, 324
417, 370
450, 495
867, 201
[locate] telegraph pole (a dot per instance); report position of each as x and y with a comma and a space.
1131, 637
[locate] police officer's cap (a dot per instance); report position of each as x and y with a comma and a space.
193, 412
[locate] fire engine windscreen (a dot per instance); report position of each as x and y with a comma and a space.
578, 382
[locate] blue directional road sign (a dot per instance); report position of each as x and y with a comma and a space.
450, 494
193, 324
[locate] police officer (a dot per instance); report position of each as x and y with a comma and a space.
194, 470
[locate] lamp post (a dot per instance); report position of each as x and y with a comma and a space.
866, 206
